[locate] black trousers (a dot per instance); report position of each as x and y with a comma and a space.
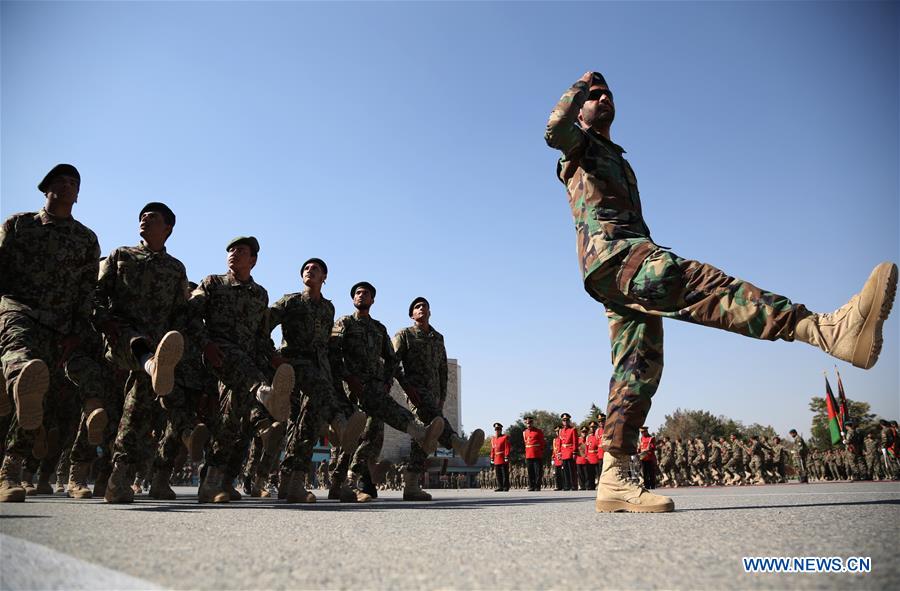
592, 475
535, 472
649, 471
502, 472
558, 474
570, 479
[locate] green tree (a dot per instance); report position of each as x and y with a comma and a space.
593, 415
861, 413
689, 424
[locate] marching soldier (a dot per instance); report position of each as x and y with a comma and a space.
800, 455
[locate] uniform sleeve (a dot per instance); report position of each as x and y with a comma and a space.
180, 304
400, 349
265, 347
104, 289
6, 234
276, 313
506, 449
389, 357
197, 305
336, 353
86, 285
563, 132
443, 373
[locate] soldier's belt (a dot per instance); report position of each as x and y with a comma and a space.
532, 445
568, 445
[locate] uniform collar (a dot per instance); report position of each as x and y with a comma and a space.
143, 246
609, 143
230, 279
46, 217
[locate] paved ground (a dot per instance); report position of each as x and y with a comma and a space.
464, 540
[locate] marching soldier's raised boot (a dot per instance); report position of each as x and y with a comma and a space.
853, 332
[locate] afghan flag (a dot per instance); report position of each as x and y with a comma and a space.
842, 401
833, 413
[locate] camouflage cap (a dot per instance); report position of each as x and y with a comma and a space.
58, 170
318, 261
250, 241
416, 301
365, 284
162, 208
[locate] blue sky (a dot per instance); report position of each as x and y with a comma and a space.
403, 143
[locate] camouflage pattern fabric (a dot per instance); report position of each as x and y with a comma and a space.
422, 372
306, 327
235, 316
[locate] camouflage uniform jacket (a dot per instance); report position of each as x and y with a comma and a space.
360, 347
422, 360
778, 453
871, 447
737, 451
145, 289
800, 446
755, 450
48, 268
715, 452
305, 327
602, 187
224, 310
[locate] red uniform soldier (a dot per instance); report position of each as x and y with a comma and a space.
592, 454
534, 453
568, 443
647, 454
557, 460
581, 459
500, 449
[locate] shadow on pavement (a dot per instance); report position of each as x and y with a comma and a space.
834, 504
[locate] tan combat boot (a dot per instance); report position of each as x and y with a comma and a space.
161, 367
159, 486
11, 490
277, 397
616, 492
350, 492
411, 489
78, 475
853, 332
468, 449
211, 487
195, 441
27, 482
28, 392
296, 489
118, 487
426, 437
95, 420
346, 431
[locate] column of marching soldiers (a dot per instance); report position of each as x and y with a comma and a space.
123, 355
575, 456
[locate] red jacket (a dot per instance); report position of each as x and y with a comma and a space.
580, 459
557, 458
568, 442
599, 435
534, 443
500, 449
592, 443
648, 444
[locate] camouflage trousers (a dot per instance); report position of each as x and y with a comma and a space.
368, 450
22, 339
428, 409
646, 284
318, 404
239, 378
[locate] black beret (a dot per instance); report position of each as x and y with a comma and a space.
318, 261
416, 301
162, 208
58, 170
365, 284
250, 241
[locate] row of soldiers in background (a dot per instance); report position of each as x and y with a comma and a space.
861, 457
120, 354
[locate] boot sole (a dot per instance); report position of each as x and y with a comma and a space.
869, 341
625, 507
475, 443
197, 441
29, 390
96, 426
353, 429
432, 433
168, 354
282, 386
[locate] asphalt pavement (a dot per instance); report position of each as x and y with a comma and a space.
464, 539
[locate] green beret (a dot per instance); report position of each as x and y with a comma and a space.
58, 170
250, 241
416, 301
162, 208
365, 284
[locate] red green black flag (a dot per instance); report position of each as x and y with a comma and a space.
842, 401
831, 405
